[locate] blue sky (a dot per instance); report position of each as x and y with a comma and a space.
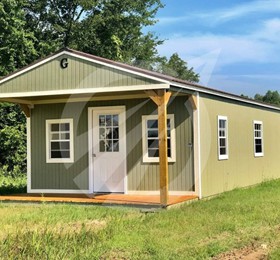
233, 45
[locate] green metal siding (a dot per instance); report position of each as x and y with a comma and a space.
80, 74
141, 176
242, 168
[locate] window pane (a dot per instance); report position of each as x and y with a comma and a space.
257, 134
64, 127
65, 145
153, 143
115, 145
168, 152
258, 148
168, 123
222, 151
101, 146
222, 123
54, 127
55, 137
153, 133
55, 145
168, 133
116, 133
101, 120
153, 153
258, 141
168, 143
222, 142
115, 120
222, 133
152, 124
109, 133
60, 154
102, 133
65, 136
109, 146
108, 120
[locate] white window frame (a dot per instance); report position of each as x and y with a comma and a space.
223, 156
48, 140
146, 158
255, 138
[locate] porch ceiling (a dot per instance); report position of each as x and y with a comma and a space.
51, 99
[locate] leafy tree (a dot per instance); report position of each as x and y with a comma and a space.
271, 97
108, 28
12, 139
16, 43
177, 67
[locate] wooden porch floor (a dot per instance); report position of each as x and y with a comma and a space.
106, 199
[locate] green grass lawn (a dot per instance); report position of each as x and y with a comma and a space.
200, 230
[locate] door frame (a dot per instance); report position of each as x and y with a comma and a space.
90, 144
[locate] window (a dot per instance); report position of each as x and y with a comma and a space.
258, 138
151, 138
59, 140
222, 137
109, 133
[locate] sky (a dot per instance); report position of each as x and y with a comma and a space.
233, 45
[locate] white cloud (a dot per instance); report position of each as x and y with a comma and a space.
260, 46
223, 15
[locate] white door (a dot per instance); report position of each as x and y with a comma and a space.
108, 151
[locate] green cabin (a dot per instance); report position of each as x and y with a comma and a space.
99, 126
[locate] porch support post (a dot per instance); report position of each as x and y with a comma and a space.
26, 109
161, 98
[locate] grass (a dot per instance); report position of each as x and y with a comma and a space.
200, 230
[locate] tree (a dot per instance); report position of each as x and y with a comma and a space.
107, 28
12, 139
16, 43
178, 68
271, 97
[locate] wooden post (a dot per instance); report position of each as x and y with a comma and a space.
25, 109
161, 98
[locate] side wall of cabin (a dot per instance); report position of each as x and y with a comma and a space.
242, 168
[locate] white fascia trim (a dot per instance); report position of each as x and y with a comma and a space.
59, 191
198, 148
84, 91
228, 96
92, 60
28, 133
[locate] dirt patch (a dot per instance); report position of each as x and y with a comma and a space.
252, 252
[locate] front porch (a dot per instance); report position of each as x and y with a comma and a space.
146, 201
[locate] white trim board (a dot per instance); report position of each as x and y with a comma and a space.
28, 141
84, 91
